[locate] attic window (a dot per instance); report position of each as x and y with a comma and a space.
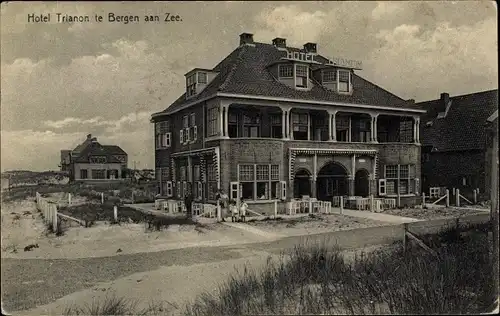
329, 76
301, 76
191, 85
344, 80
286, 71
202, 77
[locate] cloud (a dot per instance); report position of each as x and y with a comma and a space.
133, 132
292, 23
384, 9
460, 59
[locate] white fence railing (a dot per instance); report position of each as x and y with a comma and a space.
175, 206
48, 209
308, 206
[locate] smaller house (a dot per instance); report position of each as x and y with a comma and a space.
455, 141
92, 161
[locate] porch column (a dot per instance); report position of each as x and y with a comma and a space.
352, 175
221, 120
350, 127
417, 130
308, 126
374, 128
283, 124
290, 125
332, 126
285, 128
313, 178
226, 122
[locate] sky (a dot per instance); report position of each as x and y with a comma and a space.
62, 81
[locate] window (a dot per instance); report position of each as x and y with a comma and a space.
259, 182
285, 71
192, 119
344, 80
301, 74
84, 174
342, 126
276, 125
98, 174
232, 127
202, 77
120, 158
211, 181
212, 120
196, 173
185, 121
320, 127
362, 132
329, 76
406, 131
399, 178
182, 171
192, 130
191, 85
169, 189
98, 159
300, 123
163, 134
251, 126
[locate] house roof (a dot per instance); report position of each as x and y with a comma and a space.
245, 71
463, 128
96, 149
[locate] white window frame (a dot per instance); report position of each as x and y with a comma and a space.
328, 71
170, 190
290, 66
307, 76
235, 191
382, 187
187, 135
181, 136
283, 190
417, 185
198, 77
167, 140
191, 85
195, 133
348, 81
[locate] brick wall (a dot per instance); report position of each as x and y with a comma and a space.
448, 168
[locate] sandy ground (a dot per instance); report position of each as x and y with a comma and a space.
434, 213
20, 230
174, 286
306, 225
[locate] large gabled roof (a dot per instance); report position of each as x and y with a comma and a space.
463, 128
245, 71
96, 149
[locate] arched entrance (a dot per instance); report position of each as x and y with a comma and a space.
331, 181
301, 183
362, 183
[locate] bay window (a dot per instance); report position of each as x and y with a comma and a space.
400, 179
259, 182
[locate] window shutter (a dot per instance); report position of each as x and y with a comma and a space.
169, 189
168, 137
195, 132
234, 191
381, 187
178, 189
417, 185
181, 133
200, 190
188, 135
184, 188
283, 190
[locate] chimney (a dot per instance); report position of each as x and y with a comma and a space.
89, 136
279, 42
310, 48
246, 38
445, 99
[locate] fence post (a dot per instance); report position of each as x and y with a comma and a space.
102, 197
475, 196
405, 239
457, 197
341, 205
447, 198
54, 220
275, 208
115, 213
69, 198
372, 206
454, 191
219, 215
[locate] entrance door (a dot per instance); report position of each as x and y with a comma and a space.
301, 184
331, 181
361, 183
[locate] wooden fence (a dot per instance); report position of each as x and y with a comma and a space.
50, 214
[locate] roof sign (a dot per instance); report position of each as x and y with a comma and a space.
346, 63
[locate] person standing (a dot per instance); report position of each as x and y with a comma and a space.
222, 200
234, 211
243, 210
188, 203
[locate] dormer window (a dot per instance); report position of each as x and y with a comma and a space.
191, 85
286, 71
344, 80
202, 77
329, 76
301, 76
